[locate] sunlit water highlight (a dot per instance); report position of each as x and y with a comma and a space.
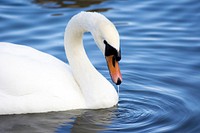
118, 93
118, 89
160, 63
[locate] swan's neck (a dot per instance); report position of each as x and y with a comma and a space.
96, 90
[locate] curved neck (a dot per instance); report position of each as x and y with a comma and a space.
92, 84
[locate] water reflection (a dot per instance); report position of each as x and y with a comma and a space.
90, 121
67, 3
74, 121
35, 122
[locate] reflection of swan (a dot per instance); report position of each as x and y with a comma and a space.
32, 81
72, 121
89, 121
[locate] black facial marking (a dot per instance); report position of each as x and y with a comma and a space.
113, 61
109, 50
118, 57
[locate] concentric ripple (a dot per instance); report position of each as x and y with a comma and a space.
151, 111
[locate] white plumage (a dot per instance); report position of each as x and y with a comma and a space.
32, 81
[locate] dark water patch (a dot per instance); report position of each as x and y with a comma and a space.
67, 3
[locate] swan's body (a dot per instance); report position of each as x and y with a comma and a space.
32, 81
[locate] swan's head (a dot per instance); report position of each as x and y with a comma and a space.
106, 37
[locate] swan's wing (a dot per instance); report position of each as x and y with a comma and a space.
33, 79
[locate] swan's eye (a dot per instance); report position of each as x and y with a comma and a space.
109, 50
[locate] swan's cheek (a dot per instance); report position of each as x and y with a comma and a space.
114, 69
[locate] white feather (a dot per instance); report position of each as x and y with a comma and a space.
32, 81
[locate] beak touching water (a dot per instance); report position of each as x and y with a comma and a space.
114, 69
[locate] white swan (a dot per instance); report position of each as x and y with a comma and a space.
32, 81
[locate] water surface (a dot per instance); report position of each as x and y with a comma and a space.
160, 63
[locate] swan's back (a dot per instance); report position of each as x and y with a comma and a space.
33, 80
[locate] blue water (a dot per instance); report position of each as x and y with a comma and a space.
160, 63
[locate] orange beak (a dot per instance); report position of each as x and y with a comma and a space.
114, 69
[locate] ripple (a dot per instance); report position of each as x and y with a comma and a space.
148, 110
